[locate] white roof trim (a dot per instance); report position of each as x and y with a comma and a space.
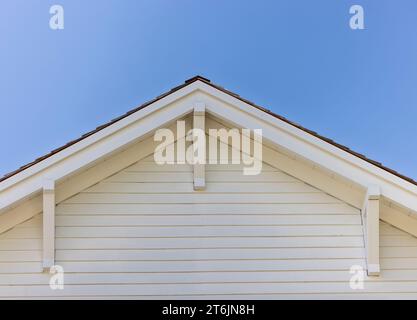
309, 147
97, 146
222, 105
94, 138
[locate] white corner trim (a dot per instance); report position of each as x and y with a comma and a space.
370, 218
48, 224
199, 120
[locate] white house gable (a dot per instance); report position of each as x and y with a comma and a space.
120, 225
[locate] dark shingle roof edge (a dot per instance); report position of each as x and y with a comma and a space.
208, 82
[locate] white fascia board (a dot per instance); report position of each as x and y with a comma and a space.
98, 145
307, 137
84, 143
226, 107
311, 148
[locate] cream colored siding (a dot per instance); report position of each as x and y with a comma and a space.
145, 233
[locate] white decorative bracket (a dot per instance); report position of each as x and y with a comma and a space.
48, 224
199, 124
370, 218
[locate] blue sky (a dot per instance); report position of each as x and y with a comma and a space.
297, 58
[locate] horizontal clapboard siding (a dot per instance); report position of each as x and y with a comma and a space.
201, 220
145, 233
204, 231
217, 198
215, 187
154, 289
204, 208
210, 242
80, 278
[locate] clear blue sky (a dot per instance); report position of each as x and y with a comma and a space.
297, 58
